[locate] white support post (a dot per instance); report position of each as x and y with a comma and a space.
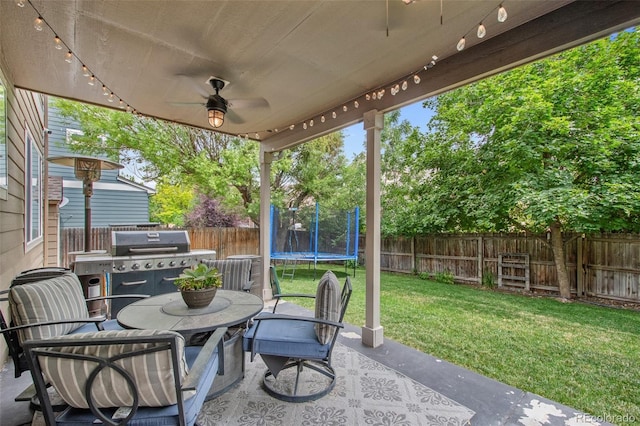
372, 332
265, 220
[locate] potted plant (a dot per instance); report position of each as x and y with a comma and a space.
198, 286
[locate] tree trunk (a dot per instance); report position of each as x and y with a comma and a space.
558, 256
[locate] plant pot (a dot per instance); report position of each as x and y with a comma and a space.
196, 299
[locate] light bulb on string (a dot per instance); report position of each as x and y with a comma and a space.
310, 123
92, 80
502, 14
85, 71
105, 91
293, 126
405, 85
68, 57
482, 31
356, 104
111, 97
374, 96
368, 97
37, 24
416, 79
461, 43
20, 3
304, 125
344, 108
121, 104
333, 114
58, 42
322, 119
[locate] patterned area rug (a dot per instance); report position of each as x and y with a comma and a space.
366, 393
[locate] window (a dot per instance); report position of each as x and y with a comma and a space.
4, 176
33, 187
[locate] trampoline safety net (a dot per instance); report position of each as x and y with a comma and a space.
312, 234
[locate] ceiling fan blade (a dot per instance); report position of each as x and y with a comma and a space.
200, 104
234, 117
248, 103
201, 88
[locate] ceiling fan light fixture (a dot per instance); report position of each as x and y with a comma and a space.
216, 109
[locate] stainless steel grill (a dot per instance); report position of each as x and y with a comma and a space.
145, 262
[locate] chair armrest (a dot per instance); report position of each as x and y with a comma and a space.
199, 367
96, 320
281, 296
271, 316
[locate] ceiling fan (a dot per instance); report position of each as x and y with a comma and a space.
218, 107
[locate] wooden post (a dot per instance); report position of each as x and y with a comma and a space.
480, 260
580, 267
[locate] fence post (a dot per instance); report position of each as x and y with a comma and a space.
480, 260
413, 254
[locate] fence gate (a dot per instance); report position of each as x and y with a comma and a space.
513, 270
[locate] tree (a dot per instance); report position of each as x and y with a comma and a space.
552, 146
222, 167
170, 203
209, 214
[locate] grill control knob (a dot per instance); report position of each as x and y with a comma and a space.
160, 264
148, 265
172, 263
121, 268
135, 266
183, 262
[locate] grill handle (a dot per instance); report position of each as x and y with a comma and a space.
153, 249
169, 279
134, 282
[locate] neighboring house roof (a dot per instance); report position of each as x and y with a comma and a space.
140, 186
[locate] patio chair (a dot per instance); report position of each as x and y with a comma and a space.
236, 273
276, 291
133, 377
47, 308
305, 343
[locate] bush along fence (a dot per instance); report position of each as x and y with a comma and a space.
225, 241
601, 265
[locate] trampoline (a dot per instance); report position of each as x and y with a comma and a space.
307, 234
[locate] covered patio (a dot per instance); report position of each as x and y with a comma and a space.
294, 71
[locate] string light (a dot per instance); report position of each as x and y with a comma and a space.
482, 31
39, 24
502, 14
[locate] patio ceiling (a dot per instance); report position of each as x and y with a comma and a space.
306, 59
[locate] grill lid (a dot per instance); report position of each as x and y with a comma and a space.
131, 243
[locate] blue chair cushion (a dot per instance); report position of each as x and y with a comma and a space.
285, 337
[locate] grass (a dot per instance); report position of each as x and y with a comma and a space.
580, 355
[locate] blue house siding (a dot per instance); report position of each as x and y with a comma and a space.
114, 200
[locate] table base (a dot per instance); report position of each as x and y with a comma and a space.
233, 365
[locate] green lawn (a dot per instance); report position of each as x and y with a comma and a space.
584, 356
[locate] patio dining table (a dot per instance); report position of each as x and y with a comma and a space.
228, 309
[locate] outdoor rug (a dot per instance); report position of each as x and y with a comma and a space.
366, 393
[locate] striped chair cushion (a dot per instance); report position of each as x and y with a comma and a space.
236, 273
54, 299
327, 306
152, 373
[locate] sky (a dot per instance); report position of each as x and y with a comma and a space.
355, 136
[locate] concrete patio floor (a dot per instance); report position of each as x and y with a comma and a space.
493, 402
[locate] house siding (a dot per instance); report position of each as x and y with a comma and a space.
113, 202
24, 110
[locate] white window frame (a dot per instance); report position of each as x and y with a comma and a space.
33, 192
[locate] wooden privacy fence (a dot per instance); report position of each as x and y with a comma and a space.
602, 265
225, 241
